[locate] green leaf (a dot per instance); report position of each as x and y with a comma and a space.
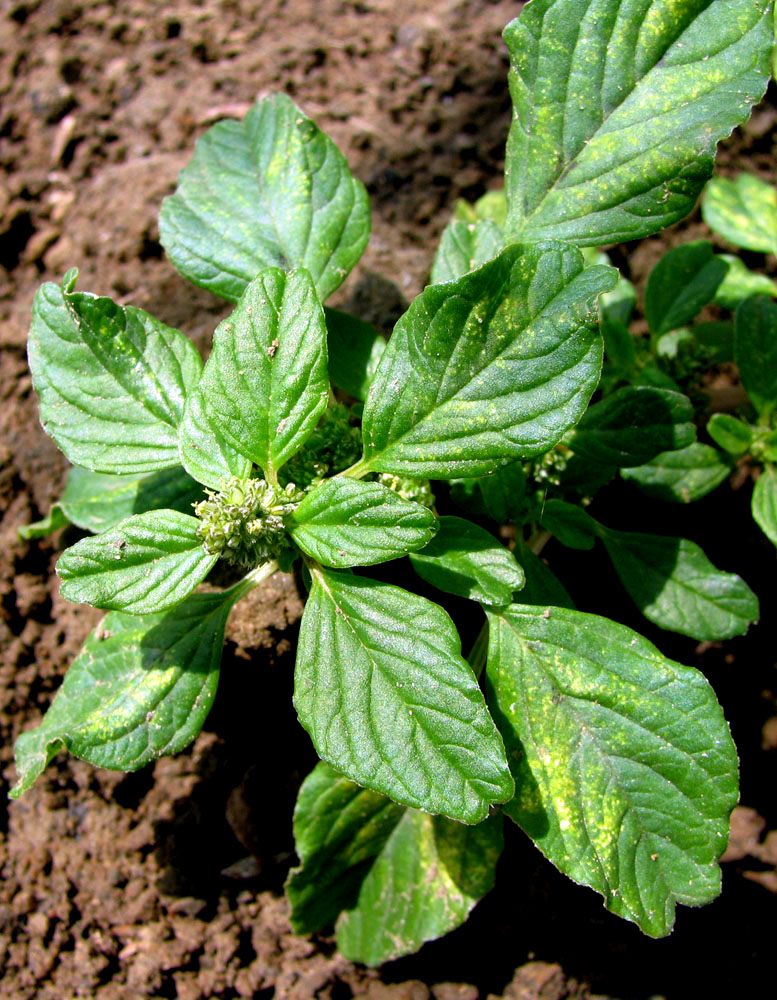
731, 433
503, 492
345, 522
465, 246
618, 108
625, 770
569, 523
755, 351
681, 284
492, 205
542, 586
615, 309
717, 340
265, 385
633, 425
488, 369
765, 503
354, 349
467, 561
147, 563
271, 190
111, 381
680, 476
140, 689
95, 501
426, 880
743, 211
675, 586
339, 828
404, 877
740, 283
53, 521
204, 451
382, 688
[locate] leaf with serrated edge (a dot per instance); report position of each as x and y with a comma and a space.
488, 369
339, 828
675, 585
765, 503
145, 564
111, 381
96, 501
743, 210
345, 522
625, 770
382, 688
204, 451
755, 351
425, 881
465, 560
265, 384
272, 190
465, 246
617, 110
633, 425
681, 284
680, 476
140, 689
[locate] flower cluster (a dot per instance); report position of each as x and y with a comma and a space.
245, 523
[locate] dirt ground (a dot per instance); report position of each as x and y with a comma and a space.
168, 882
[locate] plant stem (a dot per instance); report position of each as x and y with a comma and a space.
253, 579
358, 470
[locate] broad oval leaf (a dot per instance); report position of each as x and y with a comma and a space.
488, 369
571, 525
145, 564
204, 451
633, 425
140, 689
625, 769
265, 383
464, 247
355, 349
731, 433
681, 476
681, 284
465, 560
425, 881
111, 380
740, 283
339, 828
346, 522
743, 210
382, 688
95, 501
271, 190
755, 351
675, 585
765, 503
618, 108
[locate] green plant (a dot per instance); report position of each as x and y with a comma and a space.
615, 760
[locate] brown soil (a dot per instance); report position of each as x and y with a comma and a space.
168, 882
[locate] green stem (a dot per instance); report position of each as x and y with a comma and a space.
358, 470
252, 580
538, 540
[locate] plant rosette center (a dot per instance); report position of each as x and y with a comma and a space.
245, 523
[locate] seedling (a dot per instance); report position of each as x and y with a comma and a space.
616, 761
